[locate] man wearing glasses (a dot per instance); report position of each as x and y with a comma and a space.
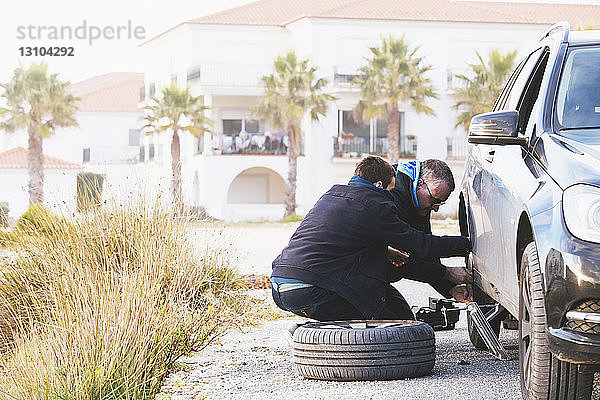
422, 187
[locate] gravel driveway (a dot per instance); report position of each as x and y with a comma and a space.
257, 363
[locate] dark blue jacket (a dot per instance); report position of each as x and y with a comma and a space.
341, 245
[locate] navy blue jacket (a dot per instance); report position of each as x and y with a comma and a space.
341, 245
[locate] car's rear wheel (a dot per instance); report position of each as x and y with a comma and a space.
542, 375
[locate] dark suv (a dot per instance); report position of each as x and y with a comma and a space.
530, 202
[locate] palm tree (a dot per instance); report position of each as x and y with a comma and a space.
393, 74
291, 92
480, 91
176, 111
39, 103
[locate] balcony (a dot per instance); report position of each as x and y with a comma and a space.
457, 148
356, 146
113, 154
249, 143
244, 75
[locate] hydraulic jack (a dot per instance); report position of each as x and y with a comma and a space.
443, 314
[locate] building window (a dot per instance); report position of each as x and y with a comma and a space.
193, 74
86, 154
364, 137
251, 126
152, 89
151, 151
134, 137
143, 93
232, 126
344, 78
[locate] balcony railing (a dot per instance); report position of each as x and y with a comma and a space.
251, 143
113, 154
356, 146
457, 148
231, 74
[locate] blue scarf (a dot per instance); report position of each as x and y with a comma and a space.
358, 181
412, 169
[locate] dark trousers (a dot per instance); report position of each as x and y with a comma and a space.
324, 305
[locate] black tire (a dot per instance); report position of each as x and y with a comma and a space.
364, 350
543, 376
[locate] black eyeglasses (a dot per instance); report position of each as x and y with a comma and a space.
435, 202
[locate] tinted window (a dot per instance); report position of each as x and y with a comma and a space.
511, 102
578, 99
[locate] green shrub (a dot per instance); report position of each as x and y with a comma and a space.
89, 191
104, 307
292, 218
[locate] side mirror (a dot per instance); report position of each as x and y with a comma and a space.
500, 127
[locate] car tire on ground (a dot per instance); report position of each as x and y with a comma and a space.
543, 376
364, 350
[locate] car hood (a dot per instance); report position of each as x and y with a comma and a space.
572, 157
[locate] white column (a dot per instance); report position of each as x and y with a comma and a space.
208, 149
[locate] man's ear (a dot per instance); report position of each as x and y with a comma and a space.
379, 184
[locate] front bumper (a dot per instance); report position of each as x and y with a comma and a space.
575, 347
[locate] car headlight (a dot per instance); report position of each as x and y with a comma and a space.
581, 208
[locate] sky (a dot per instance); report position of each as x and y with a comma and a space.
151, 17
102, 55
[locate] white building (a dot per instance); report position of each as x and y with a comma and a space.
108, 141
60, 182
222, 56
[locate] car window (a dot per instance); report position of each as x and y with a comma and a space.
513, 97
502, 98
578, 98
532, 90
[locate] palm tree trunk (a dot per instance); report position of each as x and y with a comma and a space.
35, 164
290, 189
393, 152
176, 173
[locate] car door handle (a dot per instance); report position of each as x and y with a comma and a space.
490, 156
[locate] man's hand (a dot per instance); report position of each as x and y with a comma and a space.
458, 275
397, 257
462, 293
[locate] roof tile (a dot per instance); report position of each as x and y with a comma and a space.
115, 91
16, 158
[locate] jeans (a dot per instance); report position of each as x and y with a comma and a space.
324, 305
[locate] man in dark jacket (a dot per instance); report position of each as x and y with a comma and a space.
336, 267
420, 188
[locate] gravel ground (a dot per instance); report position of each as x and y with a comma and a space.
256, 363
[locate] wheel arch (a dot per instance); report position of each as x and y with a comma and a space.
524, 237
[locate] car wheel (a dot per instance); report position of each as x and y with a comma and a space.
363, 350
543, 376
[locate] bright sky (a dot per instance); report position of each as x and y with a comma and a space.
154, 16
102, 56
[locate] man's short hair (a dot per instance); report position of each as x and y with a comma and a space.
437, 170
375, 169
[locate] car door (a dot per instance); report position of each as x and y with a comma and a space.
508, 175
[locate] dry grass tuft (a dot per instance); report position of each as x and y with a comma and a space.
102, 307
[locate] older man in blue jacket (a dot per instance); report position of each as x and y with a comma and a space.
336, 267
